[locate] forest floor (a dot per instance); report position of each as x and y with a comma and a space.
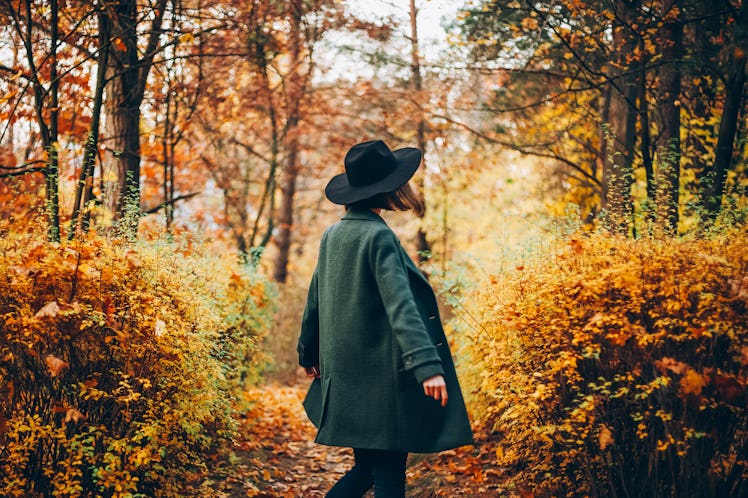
277, 457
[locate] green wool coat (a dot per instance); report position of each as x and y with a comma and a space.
372, 325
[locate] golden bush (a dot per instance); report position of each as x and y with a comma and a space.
618, 367
119, 366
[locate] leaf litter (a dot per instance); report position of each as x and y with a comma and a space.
277, 457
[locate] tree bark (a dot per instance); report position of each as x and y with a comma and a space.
617, 171
606, 143
124, 95
268, 195
84, 187
294, 94
286, 213
702, 97
167, 150
713, 192
53, 171
48, 131
422, 244
646, 145
668, 144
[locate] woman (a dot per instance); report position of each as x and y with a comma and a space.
385, 384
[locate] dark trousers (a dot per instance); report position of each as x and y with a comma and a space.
385, 470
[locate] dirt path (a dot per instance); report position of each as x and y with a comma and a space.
278, 458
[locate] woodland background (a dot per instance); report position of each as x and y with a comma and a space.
162, 166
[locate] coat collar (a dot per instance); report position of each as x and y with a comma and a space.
363, 214
369, 215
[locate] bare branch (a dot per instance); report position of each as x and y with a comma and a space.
24, 165
522, 149
170, 203
23, 172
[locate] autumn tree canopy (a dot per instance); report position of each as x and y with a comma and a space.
228, 117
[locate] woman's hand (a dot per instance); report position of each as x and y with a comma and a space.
435, 387
312, 371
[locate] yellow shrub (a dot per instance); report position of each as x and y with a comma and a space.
118, 366
618, 367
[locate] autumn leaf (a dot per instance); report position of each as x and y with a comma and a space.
159, 328
605, 438
133, 261
49, 310
73, 414
671, 364
576, 246
499, 452
88, 271
529, 24
692, 382
55, 365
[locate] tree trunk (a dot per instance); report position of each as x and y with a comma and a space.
703, 97
124, 96
53, 168
617, 171
48, 131
606, 143
668, 144
123, 119
712, 197
84, 187
285, 216
167, 150
294, 94
646, 145
268, 195
422, 243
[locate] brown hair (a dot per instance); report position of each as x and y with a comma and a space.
402, 199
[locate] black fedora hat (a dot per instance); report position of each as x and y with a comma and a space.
371, 168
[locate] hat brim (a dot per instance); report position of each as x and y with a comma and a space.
339, 191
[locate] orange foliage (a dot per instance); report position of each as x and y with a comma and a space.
119, 366
618, 367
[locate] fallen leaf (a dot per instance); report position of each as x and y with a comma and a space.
692, 382
159, 328
73, 414
671, 364
55, 365
49, 310
605, 438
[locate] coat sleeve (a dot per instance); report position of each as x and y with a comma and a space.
308, 345
419, 355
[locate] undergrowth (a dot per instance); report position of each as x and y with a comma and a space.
121, 367
618, 367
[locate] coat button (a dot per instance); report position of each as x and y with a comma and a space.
408, 360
